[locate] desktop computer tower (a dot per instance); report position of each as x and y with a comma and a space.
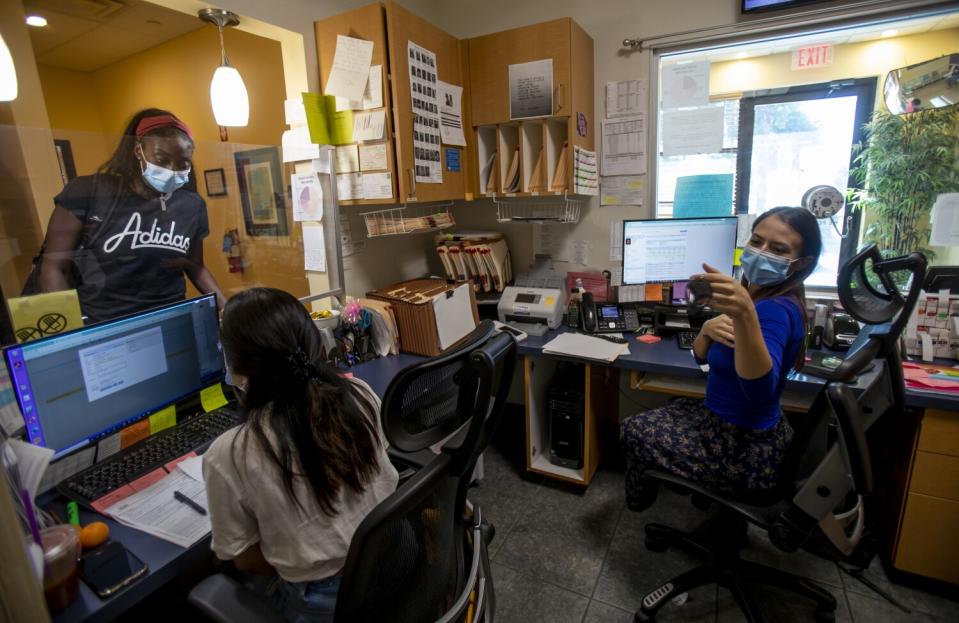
567, 413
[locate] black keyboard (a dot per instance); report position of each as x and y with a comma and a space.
193, 435
685, 339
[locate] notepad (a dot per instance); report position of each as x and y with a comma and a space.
585, 347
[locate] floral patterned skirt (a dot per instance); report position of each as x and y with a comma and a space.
687, 439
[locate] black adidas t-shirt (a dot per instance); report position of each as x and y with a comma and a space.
131, 253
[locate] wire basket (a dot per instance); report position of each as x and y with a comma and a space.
539, 210
408, 220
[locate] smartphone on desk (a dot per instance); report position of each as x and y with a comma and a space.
110, 567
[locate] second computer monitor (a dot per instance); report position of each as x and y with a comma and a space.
658, 250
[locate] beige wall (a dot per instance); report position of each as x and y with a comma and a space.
91, 110
609, 22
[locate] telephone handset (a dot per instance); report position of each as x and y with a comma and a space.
587, 313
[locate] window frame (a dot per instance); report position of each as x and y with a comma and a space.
865, 91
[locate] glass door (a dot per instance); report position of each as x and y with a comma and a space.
798, 138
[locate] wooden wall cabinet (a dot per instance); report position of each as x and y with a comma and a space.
571, 50
390, 28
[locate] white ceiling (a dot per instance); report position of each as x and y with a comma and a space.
85, 35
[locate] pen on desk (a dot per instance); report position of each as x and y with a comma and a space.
182, 498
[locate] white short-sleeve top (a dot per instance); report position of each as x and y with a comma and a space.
248, 504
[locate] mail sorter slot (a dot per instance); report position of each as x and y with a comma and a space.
486, 158
556, 154
509, 158
432, 315
531, 135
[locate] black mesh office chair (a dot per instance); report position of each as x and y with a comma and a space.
420, 555
818, 505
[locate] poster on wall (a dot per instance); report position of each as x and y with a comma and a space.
426, 115
531, 89
261, 191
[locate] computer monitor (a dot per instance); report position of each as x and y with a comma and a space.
657, 250
79, 387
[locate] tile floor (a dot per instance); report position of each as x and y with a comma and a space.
566, 555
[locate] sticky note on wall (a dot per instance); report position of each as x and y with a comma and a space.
41, 315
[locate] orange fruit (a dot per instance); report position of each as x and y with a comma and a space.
94, 534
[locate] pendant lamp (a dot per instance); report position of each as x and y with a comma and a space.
8, 74
231, 104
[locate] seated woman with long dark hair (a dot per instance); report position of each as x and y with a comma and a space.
735, 439
288, 488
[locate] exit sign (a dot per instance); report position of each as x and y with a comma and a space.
811, 56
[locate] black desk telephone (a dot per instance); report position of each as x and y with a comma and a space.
607, 317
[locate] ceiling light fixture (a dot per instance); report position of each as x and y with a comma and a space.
890, 33
8, 74
36, 20
231, 103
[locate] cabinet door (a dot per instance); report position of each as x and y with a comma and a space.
404, 27
490, 58
367, 23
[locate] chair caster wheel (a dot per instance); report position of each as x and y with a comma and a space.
642, 617
655, 543
825, 616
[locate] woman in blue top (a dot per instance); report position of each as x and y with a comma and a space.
734, 440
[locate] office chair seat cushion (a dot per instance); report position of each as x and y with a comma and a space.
688, 440
760, 508
223, 599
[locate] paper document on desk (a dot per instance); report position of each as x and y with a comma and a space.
585, 347
155, 511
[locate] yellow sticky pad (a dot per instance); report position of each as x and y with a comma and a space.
212, 397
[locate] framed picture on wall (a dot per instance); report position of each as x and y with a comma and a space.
215, 182
262, 192
68, 169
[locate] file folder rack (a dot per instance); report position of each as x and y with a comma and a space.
408, 220
539, 209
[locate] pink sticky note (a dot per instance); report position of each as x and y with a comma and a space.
649, 339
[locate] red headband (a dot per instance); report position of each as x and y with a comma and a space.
161, 121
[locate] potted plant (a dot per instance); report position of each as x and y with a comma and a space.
907, 160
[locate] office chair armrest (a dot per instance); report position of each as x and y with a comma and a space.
460, 606
224, 600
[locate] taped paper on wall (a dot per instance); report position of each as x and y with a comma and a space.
624, 146
426, 115
347, 158
549, 239
307, 197
626, 97
369, 126
349, 186
698, 131
314, 247
623, 190
685, 85
297, 145
351, 68
377, 185
373, 157
450, 99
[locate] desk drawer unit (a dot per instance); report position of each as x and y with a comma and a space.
928, 542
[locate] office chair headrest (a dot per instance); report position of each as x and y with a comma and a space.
868, 291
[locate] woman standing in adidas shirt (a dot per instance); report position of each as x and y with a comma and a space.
126, 236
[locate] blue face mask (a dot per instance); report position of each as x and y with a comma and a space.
163, 180
764, 269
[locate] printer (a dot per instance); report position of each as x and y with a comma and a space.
532, 307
